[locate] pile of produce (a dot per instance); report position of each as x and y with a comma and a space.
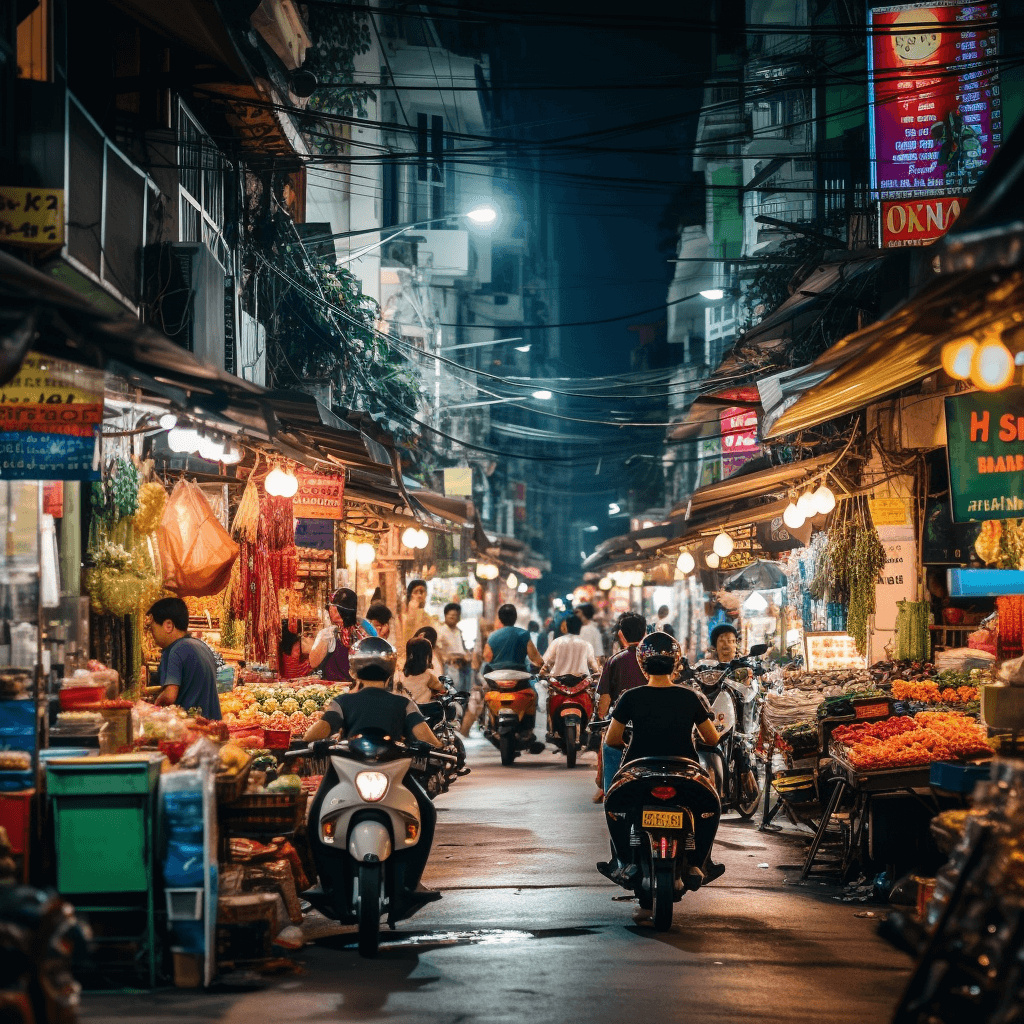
233, 760
1011, 622
949, 687
798, 704
905, 742
908, 671
278, 707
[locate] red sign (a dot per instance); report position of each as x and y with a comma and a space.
918, 221
739, 438
53, 499
319, 497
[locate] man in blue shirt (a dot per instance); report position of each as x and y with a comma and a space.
188, 669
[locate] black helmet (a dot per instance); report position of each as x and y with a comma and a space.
658, 654
372, 659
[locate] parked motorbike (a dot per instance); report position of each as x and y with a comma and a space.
443, 715
570, 707
40, 939
664, 813
732, 691
361, 820
511, 704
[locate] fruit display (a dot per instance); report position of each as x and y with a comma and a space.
233, 760
280, 707
905, 742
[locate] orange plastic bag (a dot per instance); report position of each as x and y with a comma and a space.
196, 551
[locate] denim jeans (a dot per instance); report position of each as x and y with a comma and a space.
611, 759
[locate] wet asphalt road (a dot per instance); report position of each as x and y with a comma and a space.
528, 931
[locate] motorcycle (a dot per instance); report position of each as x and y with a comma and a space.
570, 707
442, 715
732, 692
511, 704
668, 808
362, 817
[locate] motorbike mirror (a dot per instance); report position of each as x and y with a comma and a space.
758, 649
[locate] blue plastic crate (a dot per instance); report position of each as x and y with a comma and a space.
957, 778
11, 782
17, 725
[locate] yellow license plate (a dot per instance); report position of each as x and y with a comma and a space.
663, 819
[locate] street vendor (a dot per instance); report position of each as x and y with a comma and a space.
330, 649
188, 669
725, 643
416, 616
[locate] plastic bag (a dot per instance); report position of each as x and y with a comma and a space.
196, 551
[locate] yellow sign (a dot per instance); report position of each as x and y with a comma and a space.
44, 381
890, 511
458, 482
31, 216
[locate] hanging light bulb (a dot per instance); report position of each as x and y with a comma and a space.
168, 421
605, 583
824, 500
275, 482
958, 357
410, 536
232, 454
992, 366
365, 554
523, 588
712, 559
512, 581
422, 539
685, 563
793, 517
723, 545
755, 603
805, 505
183, 439
487, 571
210, 448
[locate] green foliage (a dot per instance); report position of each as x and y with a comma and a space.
339, 37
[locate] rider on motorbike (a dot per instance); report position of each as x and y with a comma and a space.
663, 717
511, 648
569, 654
372, 664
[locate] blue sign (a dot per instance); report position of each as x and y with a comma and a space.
314, 533
27, 455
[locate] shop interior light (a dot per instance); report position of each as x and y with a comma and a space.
756, 603
712, 560
713, 294
824, 500
793, 517
183, 439
570, 598
992, 366
232, 454
422, 539
523, 588
805, 505
685, 563
605, 583
168, 421
958, 357
365, 554
410, 536
638, 578
275, 482
723, 545
512, 581
210, 448
487, 571
559, 604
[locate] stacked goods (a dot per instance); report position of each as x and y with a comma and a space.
280, 708
909, 671
1011, 622
949, 687
905, 742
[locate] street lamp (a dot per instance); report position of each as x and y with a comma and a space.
712, 294
484, 344
541, 395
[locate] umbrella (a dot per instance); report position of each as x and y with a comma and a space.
759, 575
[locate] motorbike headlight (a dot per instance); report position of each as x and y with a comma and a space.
372, 786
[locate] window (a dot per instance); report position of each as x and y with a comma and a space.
201, 179
35, 44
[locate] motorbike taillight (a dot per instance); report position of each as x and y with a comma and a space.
663, 792
507, 684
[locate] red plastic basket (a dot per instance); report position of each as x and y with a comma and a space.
277, 739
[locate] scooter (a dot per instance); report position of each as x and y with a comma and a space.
732, 693
570, 707
511, 704
669, 809
361, 820
442, 715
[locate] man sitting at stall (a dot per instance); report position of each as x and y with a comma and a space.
188, 669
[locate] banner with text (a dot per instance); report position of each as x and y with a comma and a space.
320, 497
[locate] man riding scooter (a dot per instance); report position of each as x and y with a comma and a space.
372, 663
663, 717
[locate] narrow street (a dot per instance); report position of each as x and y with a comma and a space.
528, 931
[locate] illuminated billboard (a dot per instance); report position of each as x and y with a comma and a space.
918, 221
935, 117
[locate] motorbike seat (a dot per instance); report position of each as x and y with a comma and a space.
673, 763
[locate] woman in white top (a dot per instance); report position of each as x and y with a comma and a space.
417, 678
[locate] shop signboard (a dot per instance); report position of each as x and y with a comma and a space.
918, 221
31, 216
985, 451
314, 533
319, 497
739, 438
774, 536
458, 481
934, 104
824, 652
897, 581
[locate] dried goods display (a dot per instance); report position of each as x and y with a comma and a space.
913, 638
949, 687
1011, 622
831, 651
904, 742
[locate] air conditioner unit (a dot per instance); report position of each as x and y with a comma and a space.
188, 298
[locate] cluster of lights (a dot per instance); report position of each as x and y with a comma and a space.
188, 440
989, 365
359, 552
628, 578
415, 539
282, 484
605, 583
486, 571
808, 505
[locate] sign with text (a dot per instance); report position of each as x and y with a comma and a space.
985, 449
319, 497
933, 97
314, 533
458, 481
739, 438
28, 455
31, 216
918, 221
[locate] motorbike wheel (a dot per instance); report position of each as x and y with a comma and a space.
570, 746
369, 909
507, 746
460, 751
749, 809
663, 882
